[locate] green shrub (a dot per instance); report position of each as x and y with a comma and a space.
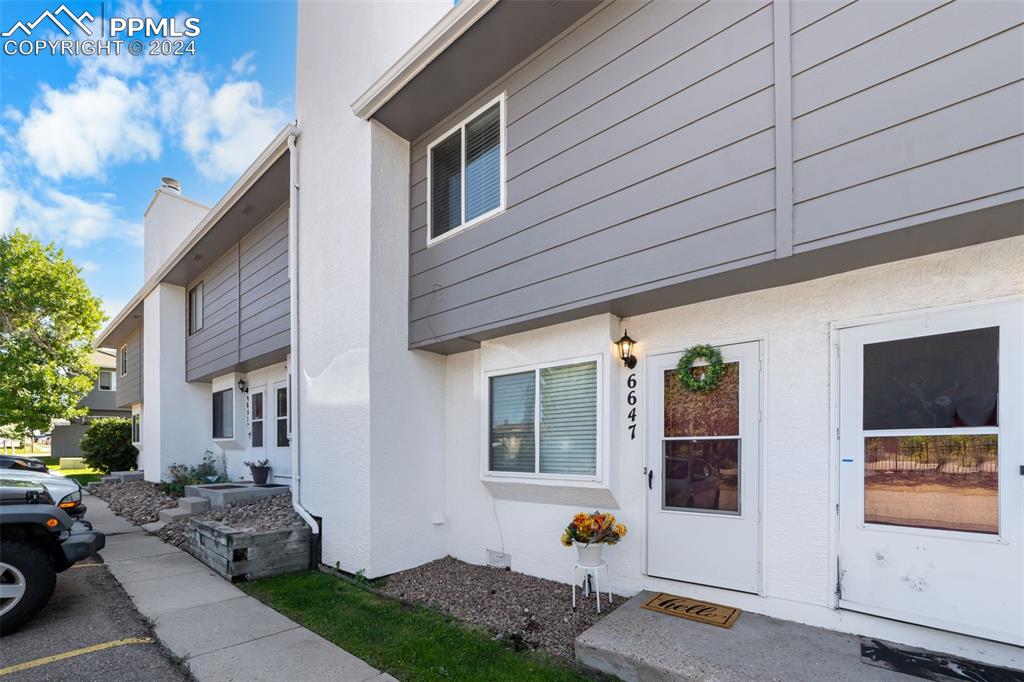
182, 475
107, 445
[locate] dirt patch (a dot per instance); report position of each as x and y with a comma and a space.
138, 501
529, 611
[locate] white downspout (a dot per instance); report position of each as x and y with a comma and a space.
293, 295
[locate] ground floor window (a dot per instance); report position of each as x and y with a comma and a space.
223, 426
282, 417
137, 427
544, 420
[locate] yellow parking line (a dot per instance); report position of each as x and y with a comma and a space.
71, 654
85, 565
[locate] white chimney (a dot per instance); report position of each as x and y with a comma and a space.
169, 219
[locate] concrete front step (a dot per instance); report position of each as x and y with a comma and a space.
194, 505
637, 644
173, 514
129, 475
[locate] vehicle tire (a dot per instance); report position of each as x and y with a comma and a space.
27, 579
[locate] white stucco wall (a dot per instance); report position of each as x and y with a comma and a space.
168, 220
794, 324
342, 47
175, 409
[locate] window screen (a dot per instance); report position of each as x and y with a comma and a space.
446, 185
223, 426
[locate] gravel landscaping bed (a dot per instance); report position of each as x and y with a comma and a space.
138, 501
530, 611
266, 513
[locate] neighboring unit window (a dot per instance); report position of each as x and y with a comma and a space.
465, 170
122, 360
195, 308
282, 418
106, 380
223, 426
257, 419
544, 421
137, 427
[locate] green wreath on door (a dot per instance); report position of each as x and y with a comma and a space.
710, 374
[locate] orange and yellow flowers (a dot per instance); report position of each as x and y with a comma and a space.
592, 529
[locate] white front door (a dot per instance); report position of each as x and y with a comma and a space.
703, 473
931, 487
279, 440
257, 424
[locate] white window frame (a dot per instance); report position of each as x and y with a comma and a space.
461, 126
537, 476
122, 360
113, 381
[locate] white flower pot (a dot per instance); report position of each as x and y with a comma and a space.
590, 555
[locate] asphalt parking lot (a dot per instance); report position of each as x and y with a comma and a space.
89, 608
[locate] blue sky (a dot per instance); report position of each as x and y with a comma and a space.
85, 140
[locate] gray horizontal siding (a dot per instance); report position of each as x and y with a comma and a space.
641, 148
904, 109
129, 386
246, 302
638, 147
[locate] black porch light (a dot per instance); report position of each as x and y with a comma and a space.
625, 345
243, 385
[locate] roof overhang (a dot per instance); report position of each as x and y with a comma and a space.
260, 190
470, 48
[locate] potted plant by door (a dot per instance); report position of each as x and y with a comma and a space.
590, 533
260, 471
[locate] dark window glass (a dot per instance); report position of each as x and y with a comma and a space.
702, 474
282, 433
512, 422
257, 420
483, 163
282, 418
122, 360
106, 380
223, 426
940, 381
195, 308
136, 428
446, 185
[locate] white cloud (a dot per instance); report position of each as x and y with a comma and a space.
89, 266
63, 218
243, 66
82, 130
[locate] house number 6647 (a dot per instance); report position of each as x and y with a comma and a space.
631, 402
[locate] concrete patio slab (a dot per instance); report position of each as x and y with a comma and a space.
634, 644
162, 595
223, 624
151, 567
133, 546
291, 655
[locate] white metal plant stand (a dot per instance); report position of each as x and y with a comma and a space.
588, 572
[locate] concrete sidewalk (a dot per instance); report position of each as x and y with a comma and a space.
219, 631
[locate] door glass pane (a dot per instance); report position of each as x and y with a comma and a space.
257, 406
568, 419
282, 402
701, 474
717, 413
512, 413
944, 482
257, 420
282, 432
927, 382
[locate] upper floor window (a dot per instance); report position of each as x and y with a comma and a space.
466, 172
195, 308
122, 360
106, 380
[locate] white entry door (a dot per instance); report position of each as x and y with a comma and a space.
931, 495
280, 444
703, 481
257, 423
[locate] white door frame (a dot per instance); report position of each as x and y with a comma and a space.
835, 453
645, 438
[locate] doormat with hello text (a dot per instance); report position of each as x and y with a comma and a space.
693, 609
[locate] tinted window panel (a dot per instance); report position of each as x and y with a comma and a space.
940, 381
446, 185
512, 419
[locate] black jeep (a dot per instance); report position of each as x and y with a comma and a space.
37, 541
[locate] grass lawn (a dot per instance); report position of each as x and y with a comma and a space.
410, 642
83, 476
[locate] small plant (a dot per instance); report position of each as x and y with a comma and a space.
257, 463
182, 475
593, 529
260, 470
107, 445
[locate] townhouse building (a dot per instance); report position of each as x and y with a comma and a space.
470, 279
101, 401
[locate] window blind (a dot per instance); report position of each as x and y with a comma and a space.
512, 423
568, 419
446, 185
483, 163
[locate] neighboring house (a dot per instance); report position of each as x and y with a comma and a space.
101, 401
832, 194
